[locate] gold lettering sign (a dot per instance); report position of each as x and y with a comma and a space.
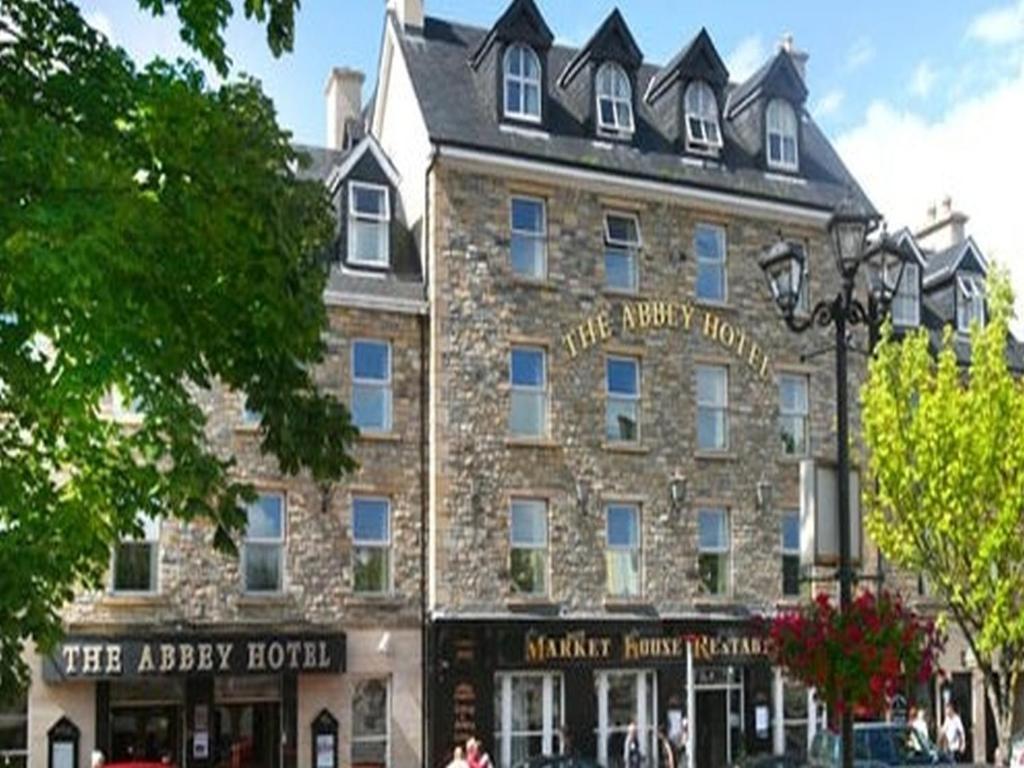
657, 315
578, 646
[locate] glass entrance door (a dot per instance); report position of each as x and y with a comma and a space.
145, 734
719, 716
625, 698
247, 735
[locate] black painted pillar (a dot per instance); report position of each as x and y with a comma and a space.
103, 718
290, 720
198, 718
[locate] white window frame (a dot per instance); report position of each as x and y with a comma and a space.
909, 290
280, 542
503, 733
382, 220
638, 548
722, 407
700, 105
631, 249
646, 721
789, 514
615, 128
151, 538
541, 236
353, 739
524, 83
535, 391
384, 544
636, 398
543, 547
804, 415
720, 550
720, 263
781, 120
385, 384
970, 302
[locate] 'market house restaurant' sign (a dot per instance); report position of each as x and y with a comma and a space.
97, 658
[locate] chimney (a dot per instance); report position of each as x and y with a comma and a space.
799, 57
408, 12
944, 226
344, 92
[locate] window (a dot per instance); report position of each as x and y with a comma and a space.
906, 306
781, 125
14, 733
709, 245
369, 216
528, 717
702, 133
614, 100
970, 302
623, 697
528, 416
263, 548
371, 543
136, 559
371, 724
622, 557
622, 410
712, 407
529, 238
791, 553
793, 414
714, 545
371, 385
529, 550
621, 244
796, 707
522, 83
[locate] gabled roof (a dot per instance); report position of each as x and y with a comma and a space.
906, 238
698, 60
612, 42
368, 144
944, 264
777, 77
522, 21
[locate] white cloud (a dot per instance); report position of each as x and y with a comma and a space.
101, 23
746, 57
861, 52
999, 26
972, 152
829, 104
923, 79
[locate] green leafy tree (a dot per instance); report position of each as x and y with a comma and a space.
946, 453
156, 239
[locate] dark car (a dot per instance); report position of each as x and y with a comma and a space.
559, 761
876, 745
769, 761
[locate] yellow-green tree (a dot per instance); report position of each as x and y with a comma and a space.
945, 450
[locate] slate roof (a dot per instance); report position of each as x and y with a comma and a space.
942, 264
322, 161
459, 112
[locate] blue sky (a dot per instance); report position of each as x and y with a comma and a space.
923, 99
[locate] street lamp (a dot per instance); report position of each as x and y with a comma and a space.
783, 265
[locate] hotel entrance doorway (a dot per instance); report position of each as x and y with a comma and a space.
719, 715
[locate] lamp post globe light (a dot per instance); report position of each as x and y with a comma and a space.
883, 260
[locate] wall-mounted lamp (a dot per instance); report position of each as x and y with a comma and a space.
583, 494
677, 488
764, 495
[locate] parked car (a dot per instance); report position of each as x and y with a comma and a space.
1017, 750
558, 761
876, 745
769, 761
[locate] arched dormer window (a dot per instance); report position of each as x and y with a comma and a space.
522, 83
702, 131
614, 100
781, 128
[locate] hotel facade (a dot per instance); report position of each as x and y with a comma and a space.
582, 429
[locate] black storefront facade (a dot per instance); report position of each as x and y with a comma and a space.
200, 699
573, 686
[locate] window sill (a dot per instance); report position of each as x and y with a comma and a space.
792, 458
516, 602
628, 604
714, 455
624, 447
532, 442
542, 284
257, 599
621, 293
133, 600
721, 306
383, 599
380, 437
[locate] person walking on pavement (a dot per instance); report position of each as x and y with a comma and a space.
632, 754
953, 737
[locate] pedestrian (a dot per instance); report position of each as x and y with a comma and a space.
458, 761
953, 737
476, 756
632, 754
920, 725
97, 760
665, 750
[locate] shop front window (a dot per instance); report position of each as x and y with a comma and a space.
246, 722
14, 733
370, 724
528, 717
625, 699
795, 718
145, 721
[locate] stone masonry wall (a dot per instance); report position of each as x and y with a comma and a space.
481, 309
200, 586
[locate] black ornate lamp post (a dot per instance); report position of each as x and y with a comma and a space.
783, 265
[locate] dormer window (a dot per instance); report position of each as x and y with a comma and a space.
781, 127
369, 218
522, 84
906, 304
970, 302
702, 131
614, 100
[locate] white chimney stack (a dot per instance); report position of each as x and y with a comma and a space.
788, 44
344, 92
408, 12
945, 226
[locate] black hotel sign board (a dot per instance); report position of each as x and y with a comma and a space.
106, 658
